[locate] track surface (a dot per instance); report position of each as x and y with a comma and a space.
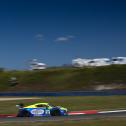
65, 118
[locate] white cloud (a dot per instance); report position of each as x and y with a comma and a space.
71, 36
39, 36
64, 38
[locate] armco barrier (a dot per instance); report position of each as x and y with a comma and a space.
67, 93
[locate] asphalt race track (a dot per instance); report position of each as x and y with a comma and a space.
65, 118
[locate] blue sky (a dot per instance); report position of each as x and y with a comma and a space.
57, 31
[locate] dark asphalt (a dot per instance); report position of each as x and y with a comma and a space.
64, 118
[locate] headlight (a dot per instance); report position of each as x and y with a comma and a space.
17, 106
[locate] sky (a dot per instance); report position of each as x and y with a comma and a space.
57, 31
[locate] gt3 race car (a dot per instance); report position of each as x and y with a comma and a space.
40, 109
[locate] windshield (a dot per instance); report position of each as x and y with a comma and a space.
51, 105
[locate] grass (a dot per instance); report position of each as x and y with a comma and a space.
62, 79
72, 103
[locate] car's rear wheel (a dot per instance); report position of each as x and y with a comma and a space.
23, 113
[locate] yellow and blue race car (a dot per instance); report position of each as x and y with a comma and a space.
40, 109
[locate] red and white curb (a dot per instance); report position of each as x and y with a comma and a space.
7, 115
82, 112
87, 112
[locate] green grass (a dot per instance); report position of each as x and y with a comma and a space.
60, 79
72, 103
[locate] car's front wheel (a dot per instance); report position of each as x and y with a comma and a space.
55, 112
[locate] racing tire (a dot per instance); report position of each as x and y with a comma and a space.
55, 112
23, 113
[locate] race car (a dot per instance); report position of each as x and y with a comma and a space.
40, 109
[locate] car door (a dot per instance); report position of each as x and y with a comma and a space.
40, 110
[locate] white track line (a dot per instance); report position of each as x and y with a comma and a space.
17, 98
115, 111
